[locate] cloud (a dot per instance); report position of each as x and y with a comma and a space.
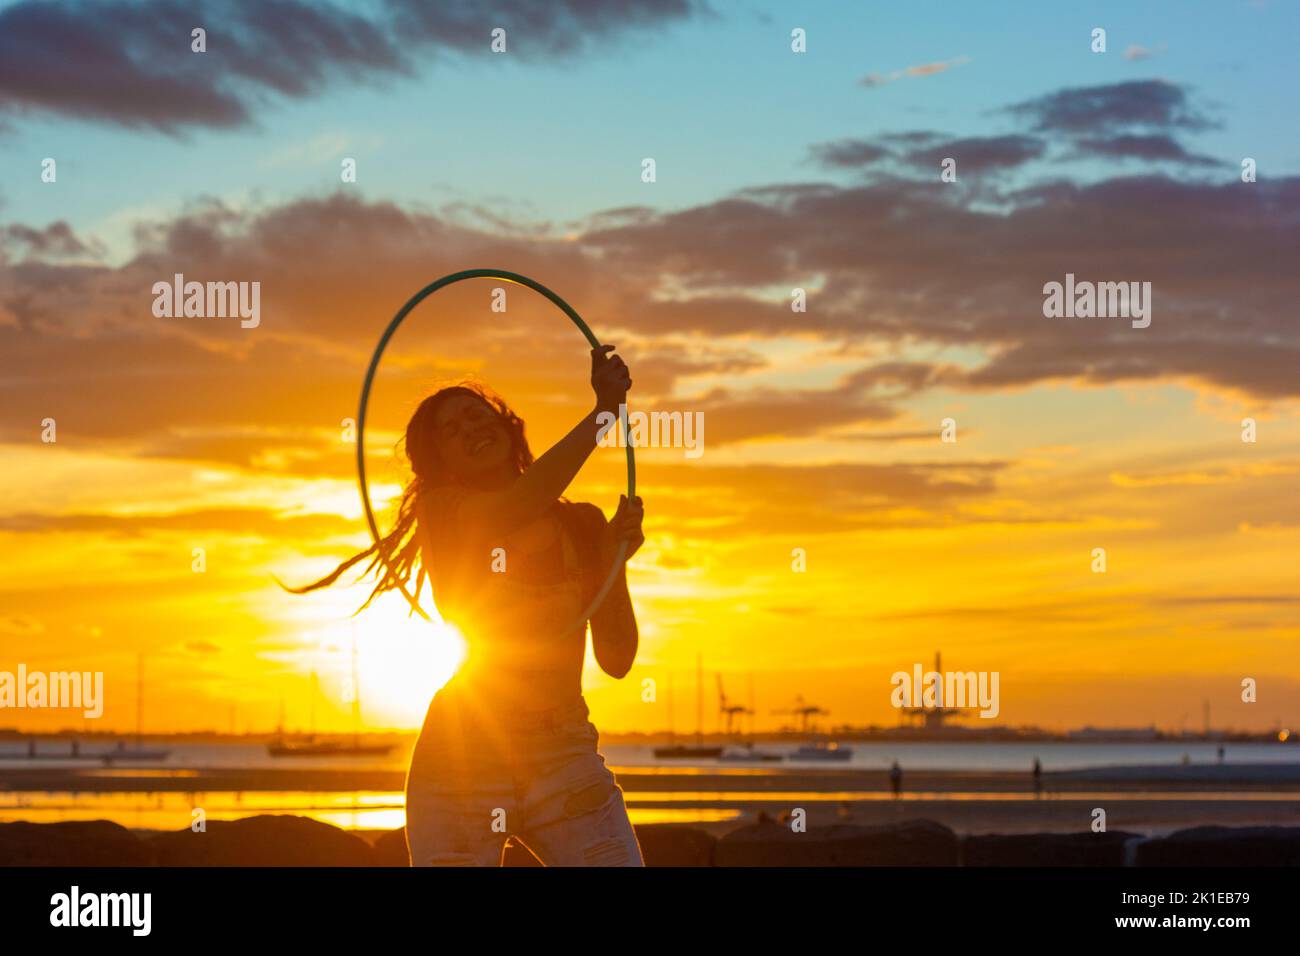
130, 63
974, 154
55, 241
821, 499
978, 154
924, 69
1134, 52
850, 153
689, 294
241, 521
1152, 104
1150, 148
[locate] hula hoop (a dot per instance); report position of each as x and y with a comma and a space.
415, 300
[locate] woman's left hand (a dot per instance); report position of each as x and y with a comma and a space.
625, 526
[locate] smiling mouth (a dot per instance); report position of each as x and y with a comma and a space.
480, 445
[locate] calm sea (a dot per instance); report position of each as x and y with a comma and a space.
866, 756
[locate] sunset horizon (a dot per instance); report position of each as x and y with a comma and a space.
906, 447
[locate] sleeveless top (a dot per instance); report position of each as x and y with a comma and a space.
516, 611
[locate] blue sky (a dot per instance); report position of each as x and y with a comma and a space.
721, 104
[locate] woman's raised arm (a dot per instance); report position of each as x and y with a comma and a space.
526, 499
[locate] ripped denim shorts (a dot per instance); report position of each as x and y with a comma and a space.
480, 776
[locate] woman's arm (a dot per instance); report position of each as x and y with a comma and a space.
614, 633
527, 499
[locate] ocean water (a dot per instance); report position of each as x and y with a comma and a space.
960, 756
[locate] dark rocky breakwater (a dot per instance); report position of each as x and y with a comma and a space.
298, 841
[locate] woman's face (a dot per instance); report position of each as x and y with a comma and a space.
471, 438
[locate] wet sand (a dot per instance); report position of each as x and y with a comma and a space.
1149, 800
1152, 817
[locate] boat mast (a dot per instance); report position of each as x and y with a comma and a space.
356, 692
752, 709
699, 699
671, 735
139, 699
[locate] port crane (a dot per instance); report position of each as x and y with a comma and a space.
730, 711
804, 711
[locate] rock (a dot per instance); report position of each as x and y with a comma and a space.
913, 843
74, 843
672, 844
1224, 846
263, 841
390, 849
1046, 849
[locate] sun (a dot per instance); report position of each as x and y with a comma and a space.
402, 661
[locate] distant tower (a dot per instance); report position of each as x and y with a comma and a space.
933, 717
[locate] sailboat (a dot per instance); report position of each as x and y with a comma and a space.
820, 748
122, 751
698, 751
313, 747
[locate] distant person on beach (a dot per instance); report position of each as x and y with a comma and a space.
1221, 753
1038, 777
896, 778
507, 748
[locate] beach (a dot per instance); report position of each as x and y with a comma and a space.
1150, 801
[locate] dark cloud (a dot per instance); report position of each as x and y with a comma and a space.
850, 153
1132, 120
535, 31
131, 63
974, 154
909, 261
55, 241
1150, 148
1101, 109
977, 154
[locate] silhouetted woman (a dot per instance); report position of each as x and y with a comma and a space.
507, 747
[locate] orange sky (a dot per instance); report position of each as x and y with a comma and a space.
981, 548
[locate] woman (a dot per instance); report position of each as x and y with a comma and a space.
507, 747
